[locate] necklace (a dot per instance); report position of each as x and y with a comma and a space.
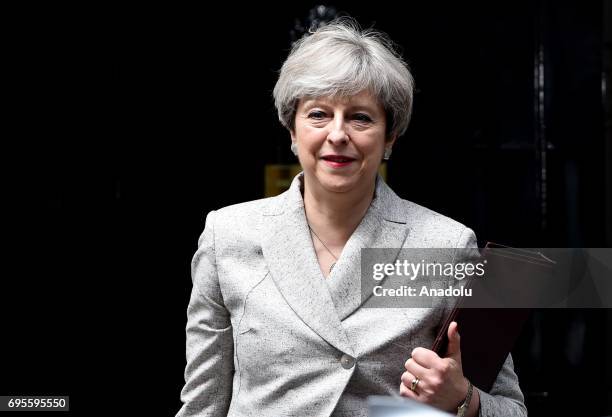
325, 246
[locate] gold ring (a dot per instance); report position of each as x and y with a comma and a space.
414, 383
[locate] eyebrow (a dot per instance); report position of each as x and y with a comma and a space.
310, 103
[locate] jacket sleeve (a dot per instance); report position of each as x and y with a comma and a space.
505, 398
209, 347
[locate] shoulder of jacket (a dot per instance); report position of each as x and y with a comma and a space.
430, 221
244, 209
241, 217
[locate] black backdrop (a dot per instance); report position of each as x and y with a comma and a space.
129, 125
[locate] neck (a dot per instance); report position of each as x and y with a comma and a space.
336, 214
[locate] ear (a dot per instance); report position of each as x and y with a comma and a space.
293, 138
391, 141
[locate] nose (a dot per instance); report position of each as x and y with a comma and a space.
338, 134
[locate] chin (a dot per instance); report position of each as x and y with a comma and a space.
339, 183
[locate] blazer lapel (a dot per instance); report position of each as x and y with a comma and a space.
383, 226
289, 254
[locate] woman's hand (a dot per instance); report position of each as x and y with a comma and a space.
441, 381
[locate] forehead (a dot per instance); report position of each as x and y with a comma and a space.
362, 99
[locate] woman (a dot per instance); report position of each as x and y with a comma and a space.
275, 325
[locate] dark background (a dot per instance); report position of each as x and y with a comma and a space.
125, 126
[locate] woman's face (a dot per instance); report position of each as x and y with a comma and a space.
340, 141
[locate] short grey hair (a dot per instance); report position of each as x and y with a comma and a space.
339, 60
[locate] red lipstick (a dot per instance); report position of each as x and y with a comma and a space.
337, 161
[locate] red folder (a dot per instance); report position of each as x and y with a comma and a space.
488, 334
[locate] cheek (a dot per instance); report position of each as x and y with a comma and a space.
373, 149
310, 139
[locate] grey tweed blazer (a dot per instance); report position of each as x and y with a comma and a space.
268, 335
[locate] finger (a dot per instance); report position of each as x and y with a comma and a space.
406, 392
454, 341
425, 357
415, 369
407, 378
421, 389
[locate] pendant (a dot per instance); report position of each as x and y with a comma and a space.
332, 267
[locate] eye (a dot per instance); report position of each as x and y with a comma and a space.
362, 117
316, 115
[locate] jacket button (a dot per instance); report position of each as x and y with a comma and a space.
347, 361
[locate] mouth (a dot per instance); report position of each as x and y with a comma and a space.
337, 158
337, 161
